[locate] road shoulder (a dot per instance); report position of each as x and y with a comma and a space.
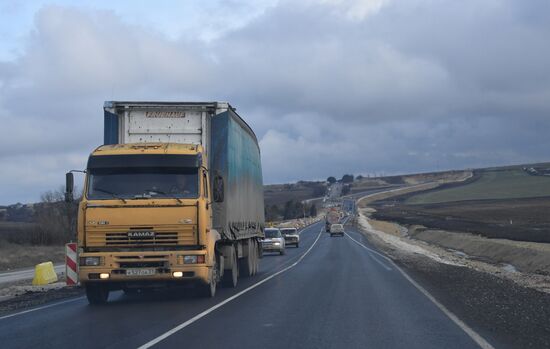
502, 311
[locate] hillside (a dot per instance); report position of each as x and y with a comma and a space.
508, 202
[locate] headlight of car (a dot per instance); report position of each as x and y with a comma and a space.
276, 243
90, 261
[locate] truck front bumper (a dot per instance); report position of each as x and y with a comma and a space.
144, 268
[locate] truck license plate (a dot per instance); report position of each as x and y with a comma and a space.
140, 272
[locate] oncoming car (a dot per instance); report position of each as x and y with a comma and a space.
273, 241
291, 236
336, 229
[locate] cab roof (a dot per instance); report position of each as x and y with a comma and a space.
147, 148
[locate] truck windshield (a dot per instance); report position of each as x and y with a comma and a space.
142, 183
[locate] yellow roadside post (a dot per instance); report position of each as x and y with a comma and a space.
44, 274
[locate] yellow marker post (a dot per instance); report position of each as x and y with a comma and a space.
44, 274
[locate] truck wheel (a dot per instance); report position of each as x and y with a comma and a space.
256, 257
97, 294
246, 266
230, 277
209, 290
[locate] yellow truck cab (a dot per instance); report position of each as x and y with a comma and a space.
173, 197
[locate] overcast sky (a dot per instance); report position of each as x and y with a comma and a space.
329, 86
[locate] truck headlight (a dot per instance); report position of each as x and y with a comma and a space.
189, 259
193, 259
90, 261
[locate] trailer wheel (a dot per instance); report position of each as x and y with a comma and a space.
247, 263
256, 257
230, 279
97, 294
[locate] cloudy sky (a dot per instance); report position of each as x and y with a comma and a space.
329, 86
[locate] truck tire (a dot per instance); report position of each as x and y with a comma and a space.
209, 290
256, 257
246, 264
231, 276
97, 294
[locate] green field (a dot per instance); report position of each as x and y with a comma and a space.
507, 184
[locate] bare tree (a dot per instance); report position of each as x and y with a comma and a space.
56, 219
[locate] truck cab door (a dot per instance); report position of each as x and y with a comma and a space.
206, 194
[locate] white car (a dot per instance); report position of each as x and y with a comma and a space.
291, 236
336, 229
273, 241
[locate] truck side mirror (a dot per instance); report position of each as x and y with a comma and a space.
69, 187
218, 189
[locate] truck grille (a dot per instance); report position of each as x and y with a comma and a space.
167, 236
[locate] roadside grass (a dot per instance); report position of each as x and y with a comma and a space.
15, 256
493, 184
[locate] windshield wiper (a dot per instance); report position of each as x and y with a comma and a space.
155, 191
110, 193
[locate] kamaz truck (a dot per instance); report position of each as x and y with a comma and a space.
173, 197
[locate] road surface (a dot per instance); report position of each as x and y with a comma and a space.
26, 274
329, 293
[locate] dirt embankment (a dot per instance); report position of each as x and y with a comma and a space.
523, 256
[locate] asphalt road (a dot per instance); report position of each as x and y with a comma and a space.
25, 274
329, 293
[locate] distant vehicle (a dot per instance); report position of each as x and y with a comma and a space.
336, 229
273, 241
332, 217
291, 236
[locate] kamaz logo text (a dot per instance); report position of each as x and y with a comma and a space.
141, 234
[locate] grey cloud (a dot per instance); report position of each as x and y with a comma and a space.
411, 86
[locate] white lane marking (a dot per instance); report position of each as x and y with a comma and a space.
469, 331
208, 311
40, 308
371, 250
290, 261
370, 254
